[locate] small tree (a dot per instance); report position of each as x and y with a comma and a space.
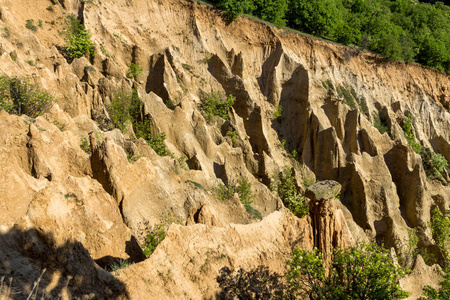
19, 97
363, 272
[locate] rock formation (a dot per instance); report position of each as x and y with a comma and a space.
93, 209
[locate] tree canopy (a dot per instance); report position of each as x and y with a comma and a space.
397, 29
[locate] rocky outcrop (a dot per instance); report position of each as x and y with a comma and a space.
328, 223
328, 106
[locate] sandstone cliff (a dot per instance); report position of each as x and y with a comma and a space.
72, 213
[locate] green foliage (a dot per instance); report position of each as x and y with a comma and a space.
126, 108
409, 135
157, 143
85, 145
30, 25
440, 227
77, 38
196, 184
153, 239
399, 30
288, 191
215, 105
157, 235
19, 97
363, 272
232, 135
134, 71
242, 188
434, 164
278, 113
253, 212
273, 11
443, 293
119, 264
380, 123
233, 8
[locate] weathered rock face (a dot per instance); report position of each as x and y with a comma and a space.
110, 199
328, 223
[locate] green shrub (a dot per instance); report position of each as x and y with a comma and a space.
19, 97
157, 235
30, 25
126, 107
215, 105
232, 135
85, 145
288, 191
440, 227
409, 135
119, 264
278, 113
363, 272
77, 38
434, 164
134, 71
379, 122
153, 239
122, 109
443, 293
242, 188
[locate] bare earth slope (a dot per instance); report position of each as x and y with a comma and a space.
85, 211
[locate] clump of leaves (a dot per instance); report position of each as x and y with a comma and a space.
216, 105
409, 135
85, 145
153, 239
232, 135
19, 97
362, 272
243, 189
157, 235
126, 108
288, 190
134, 70
278, 112
433, 163
30, 25
78, 38
380, 123
443, 293
119, 264
440, 227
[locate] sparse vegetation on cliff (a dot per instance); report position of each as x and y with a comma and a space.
19, 97
288, 190
78, 39
125, 108
216, 105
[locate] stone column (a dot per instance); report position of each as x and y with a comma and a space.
322, 207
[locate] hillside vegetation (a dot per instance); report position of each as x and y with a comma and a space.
397, 29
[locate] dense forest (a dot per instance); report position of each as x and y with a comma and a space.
406, 30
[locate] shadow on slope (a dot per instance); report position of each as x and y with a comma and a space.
33, 265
